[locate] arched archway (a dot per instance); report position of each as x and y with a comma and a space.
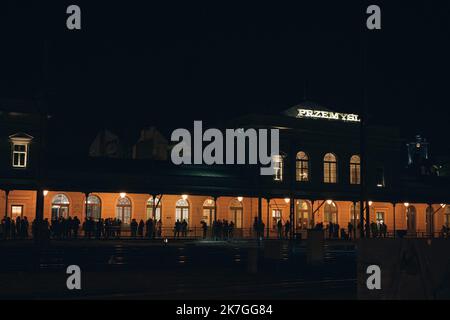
236, 210
209, 210
302, 215
355, 169
149, 209
302, 166
94, 208
123, 210
182, 210
60, 206
330, 212
330, 168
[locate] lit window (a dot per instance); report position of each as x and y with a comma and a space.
380, 216
278, 168
60, 206
330, 213
149, 209
209, 210
330, 168
236, 210
302, 166
182, 210
355, 214
20, 155
123, 210
276, 216
355, 170
16, 211
19, 147
94, 208
303, 212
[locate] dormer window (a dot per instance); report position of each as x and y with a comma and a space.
20, 143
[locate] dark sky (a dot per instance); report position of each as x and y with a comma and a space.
137, 63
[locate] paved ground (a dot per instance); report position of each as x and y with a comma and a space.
178, 269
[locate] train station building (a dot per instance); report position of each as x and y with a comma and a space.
317, 176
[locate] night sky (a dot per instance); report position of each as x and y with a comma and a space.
140, 63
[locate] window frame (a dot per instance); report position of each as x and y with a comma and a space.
278, 170
21, 206
355, 170
302, 166
327, 167
16, 152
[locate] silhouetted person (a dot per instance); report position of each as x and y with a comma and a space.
141, 228
280, 229
350, 230
287, 229
204, 228
184, 228
75, 226
177, 229
133, 228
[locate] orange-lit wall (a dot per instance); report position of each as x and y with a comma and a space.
250, 209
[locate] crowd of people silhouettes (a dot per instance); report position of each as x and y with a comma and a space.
110, 228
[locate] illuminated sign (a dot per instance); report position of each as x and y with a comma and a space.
317, 114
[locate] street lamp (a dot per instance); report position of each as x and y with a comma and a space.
240, 199
329, 201
45, 192
406, 204
184, 196
287, 200
123, 194
370, 203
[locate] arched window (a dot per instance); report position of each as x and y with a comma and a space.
355, 214
447, 216
355, 170
60, 206
278, 167
330, 212
411, 219
302, 166
429, 220
94, 208
123, 210
182, 210
209, 210
149, 209
303, 213
329, 168
236, 210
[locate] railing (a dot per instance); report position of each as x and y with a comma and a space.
124, 232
